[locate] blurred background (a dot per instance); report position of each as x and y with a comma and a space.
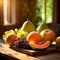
14, 12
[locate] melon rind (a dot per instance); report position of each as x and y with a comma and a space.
33, 45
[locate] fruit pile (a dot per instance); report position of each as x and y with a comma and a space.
30, 37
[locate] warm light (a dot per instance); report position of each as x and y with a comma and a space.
9, 10
0, 2
5, 11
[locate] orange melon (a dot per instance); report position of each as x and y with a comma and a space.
39, 45
34, 36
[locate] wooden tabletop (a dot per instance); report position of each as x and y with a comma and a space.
6, 51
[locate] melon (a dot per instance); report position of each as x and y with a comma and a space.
34, 37
39, 45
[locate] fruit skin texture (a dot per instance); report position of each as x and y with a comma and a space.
44, 45
58, 41
10, 39
42, 26
48, 34
28, 26
34, 36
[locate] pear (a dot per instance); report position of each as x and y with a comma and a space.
42, 26
28, 26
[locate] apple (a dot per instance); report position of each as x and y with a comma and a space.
48, 34
58, 41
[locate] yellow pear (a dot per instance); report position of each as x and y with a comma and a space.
28, 26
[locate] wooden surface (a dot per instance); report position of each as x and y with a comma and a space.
15, 55
32, 52
6, 50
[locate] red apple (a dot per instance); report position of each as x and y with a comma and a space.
48, 34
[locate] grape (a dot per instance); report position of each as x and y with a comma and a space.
16, 30
4, 37
22, 34
11, 31
21, 43
6, 33
17, 42
24, 44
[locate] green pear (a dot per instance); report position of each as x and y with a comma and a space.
42, 26
28, 26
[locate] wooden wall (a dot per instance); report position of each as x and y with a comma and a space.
19, 15
58, 11
1, 12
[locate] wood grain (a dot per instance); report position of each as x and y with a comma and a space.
35, 52
4, 49
17, 54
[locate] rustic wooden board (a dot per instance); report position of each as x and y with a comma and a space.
7, 57
35, 52
14, 55
23, 54
58, 49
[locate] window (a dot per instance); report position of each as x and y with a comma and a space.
9, 12
29, 9
38, 8
45, 10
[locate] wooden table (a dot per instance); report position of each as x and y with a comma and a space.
11, 54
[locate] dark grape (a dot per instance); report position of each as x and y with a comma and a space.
24, 44
17, 42
21, 43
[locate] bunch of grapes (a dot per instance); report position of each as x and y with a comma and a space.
21, 43
22, 34
6, 33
